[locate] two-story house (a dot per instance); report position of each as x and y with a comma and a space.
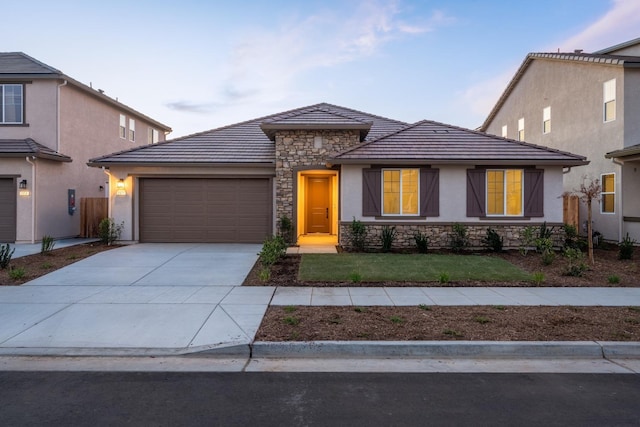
50, 126
589, 104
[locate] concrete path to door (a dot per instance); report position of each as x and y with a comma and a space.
141, 299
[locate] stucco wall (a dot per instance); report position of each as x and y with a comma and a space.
453, 190
575, 93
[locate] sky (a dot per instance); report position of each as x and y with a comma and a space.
196, 65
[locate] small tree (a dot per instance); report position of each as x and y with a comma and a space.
589, 190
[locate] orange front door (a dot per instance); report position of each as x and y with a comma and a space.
318, 204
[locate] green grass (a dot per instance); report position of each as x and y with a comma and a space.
407, 267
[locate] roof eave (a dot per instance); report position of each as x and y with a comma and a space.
518, 162
56, 158
107, 164
270, 129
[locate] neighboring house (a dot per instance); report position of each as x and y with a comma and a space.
324, 165
587, 104
50, 125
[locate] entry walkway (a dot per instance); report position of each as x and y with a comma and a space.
24, 249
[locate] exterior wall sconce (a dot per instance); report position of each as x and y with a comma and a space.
120, 189
101, 188
23, 184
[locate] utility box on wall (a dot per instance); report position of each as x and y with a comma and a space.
71, 200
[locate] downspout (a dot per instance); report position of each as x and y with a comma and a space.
58, 116
106, 171
33, 198
620, 200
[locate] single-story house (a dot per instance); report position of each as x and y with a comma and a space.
323, 166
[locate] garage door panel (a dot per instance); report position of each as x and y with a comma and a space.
205, 210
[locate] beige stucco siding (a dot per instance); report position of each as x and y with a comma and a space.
631, 107
574, 91
453, 190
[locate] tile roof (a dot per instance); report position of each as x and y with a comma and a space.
633, 150
244, 143
18, 65
28, 147
438, 143
587, 58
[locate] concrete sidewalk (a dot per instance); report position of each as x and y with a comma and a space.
24, 249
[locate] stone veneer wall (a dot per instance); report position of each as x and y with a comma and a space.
439, 234
295, 149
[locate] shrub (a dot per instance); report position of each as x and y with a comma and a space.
545, 232
571, 238
47, 244
422, 242
17, 273
613, 279
538, 278
526, 240
355, 277
576, 265
625, 247
273, 249
388, 236
109, 231
358, 232
5, 255
285, 227
444, 277
548, 257
459, 237
493, 240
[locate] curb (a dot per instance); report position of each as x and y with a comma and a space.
447, 350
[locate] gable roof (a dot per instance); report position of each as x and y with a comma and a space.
586, 58
438, 143
626, 154
20, 66
245, 143
28, 147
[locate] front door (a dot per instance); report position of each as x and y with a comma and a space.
318, 204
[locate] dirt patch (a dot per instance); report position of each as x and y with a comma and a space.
38, 265
485, 323
603, 274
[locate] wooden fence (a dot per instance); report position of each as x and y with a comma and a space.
571, 210
92, 211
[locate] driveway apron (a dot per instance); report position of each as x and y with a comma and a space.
139, 299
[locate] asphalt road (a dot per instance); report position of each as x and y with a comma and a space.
301, 399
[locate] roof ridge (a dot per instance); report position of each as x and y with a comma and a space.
326, 108
32, 59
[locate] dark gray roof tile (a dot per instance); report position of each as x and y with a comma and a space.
28, 147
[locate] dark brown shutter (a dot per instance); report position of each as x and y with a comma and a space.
476, 192
371, 192
429, 192
534, 192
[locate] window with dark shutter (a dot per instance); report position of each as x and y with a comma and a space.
476, 192
371, 192
534, 192
429, 192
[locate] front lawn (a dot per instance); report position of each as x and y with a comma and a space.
407, 268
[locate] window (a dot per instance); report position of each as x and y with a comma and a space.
11, 104
132, 130
521, 129
400, 191
608, 193
504, 131
153, 136
504, 192
610, 100
123, 126
546, 120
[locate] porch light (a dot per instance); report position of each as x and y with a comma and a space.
120, 189
23, 184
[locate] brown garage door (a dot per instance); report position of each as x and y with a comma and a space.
7, 210
216, 210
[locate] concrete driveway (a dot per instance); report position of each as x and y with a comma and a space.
144, 299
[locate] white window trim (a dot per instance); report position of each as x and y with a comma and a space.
546, 117
504, 131
153, 136
602, 193
122, 128
504, 200
4, 107
382, 195
521, 129
132, 130
609, 96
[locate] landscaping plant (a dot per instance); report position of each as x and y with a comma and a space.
571, 238
5, 255
422, 242
625, 247
576, 266
459, 237
285, 227
47, 244
388, 236
109, 231
358, 233
590, 190
493, 240
527, 240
